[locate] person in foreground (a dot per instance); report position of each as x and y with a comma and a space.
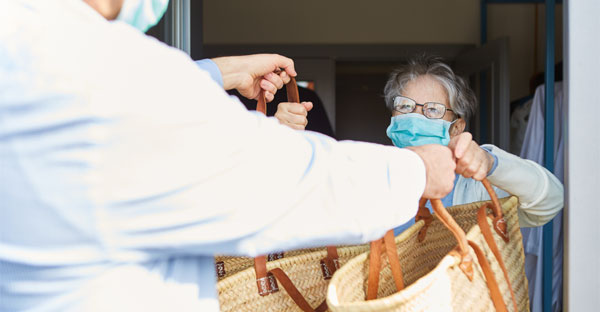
125, 167
431, 105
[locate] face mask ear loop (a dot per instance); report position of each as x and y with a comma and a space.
452, 124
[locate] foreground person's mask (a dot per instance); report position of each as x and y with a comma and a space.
415, 129
142, 14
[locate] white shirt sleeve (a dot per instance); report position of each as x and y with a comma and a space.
124, 168
126, 150
540, 193
169, 163
207, 176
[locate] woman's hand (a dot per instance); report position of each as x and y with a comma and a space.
471, 160
293, 115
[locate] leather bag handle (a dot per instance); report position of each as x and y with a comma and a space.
497, 216
377, 247
292, 95
266, 281
466, 261
330, 263
489, 239
490, 279
500, 226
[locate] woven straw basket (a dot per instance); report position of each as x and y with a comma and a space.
229, 265
239, 292
433, 280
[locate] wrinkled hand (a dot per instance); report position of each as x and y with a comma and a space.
439, 168
293, 115
471, 160
249, 74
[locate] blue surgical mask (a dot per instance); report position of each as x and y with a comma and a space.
415, 129
142, 14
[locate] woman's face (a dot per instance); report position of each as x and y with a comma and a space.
427, 89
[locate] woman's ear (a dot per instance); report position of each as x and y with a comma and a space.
457, 127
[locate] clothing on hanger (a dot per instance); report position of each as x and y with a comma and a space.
533, 149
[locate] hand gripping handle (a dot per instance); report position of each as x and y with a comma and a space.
292, 96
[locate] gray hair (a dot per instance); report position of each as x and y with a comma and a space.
462, 99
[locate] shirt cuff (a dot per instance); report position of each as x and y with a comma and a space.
209, 66
489, 150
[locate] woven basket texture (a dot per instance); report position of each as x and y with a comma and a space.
232, 265
432, 278
238, 292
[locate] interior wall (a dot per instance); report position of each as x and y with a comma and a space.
517, 22
340, 21
382, 22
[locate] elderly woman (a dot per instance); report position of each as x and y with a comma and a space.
431, 105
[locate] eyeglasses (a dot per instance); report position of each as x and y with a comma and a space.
431, 110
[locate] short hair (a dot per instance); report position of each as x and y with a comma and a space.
462, 99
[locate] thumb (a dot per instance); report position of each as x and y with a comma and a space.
459, 144
308, 106
452, 145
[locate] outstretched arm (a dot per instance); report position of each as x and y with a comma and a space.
539, 191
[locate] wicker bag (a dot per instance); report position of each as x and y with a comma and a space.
484, 272
291, 281
229, 265
297, 283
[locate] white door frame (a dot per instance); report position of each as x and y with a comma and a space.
582, 165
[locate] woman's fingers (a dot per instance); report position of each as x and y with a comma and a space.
294, 126
296, 108
471, 160
460, 143
293, 115
465, 159
474, 164
307, 105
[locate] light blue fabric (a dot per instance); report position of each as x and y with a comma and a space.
209, 66
142, 14
414, 129
495, 165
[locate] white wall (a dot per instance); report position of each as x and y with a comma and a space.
582, 169
382, 21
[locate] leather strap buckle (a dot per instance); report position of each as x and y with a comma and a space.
275, 256
267, 285
220, 266
327, 272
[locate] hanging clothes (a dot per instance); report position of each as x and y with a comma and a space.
533, 149
518, 126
